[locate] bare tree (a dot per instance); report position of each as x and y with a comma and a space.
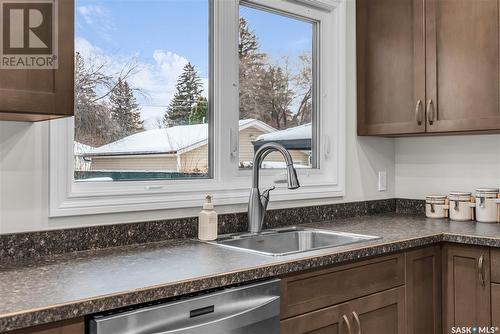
94, 125
304, 82
276, 95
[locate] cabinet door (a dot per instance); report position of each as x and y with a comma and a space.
34, 95
466, 296
390, 67
462, 58
495, 305
380, 313
423, 290
330, 320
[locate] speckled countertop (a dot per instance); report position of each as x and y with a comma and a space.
80, 283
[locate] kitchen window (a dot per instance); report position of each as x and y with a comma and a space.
277, 85
141, 90
174, 105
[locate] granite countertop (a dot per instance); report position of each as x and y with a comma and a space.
76, 284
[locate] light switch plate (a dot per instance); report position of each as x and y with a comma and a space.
382, 181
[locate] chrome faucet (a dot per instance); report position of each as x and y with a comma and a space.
257, 203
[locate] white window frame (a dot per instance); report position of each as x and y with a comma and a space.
229, 184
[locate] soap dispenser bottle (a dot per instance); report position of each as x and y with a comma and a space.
207, 221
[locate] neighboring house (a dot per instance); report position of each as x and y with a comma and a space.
181, 148
298, 137
80, 151
297, 140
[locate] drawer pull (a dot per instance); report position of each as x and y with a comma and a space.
356, 317
348, 325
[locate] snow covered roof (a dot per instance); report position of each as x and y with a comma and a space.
81, 149
299, 132
171, 140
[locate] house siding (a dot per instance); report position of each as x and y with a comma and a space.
247, 149
135, 163
195, 160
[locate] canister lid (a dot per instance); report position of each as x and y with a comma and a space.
435, 199
459, 196
487, 192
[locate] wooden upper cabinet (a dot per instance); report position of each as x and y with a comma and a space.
42, 94
444, 53
466, 297
462, 51
390, 67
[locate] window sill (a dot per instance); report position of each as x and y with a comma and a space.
76, 205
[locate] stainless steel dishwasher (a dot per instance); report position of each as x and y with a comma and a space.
244, 309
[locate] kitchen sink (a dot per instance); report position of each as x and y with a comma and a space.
280, 242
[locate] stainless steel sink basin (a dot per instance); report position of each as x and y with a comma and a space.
287, 241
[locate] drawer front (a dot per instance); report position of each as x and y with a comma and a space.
495, 265
325, 321
311, 291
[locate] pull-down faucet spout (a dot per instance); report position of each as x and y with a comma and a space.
257, 203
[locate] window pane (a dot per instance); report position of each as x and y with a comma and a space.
141, 89
276, 86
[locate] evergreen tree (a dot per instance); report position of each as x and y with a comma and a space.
251, 71
199, 111
188, 90
124, 109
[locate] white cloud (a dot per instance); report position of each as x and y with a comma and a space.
86, 49
91, 12
99, 18
157, 78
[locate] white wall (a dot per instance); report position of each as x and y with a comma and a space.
441, 164
24, 170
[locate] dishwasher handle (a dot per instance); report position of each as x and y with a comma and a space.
224, 324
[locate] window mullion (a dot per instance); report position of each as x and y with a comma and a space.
225, 88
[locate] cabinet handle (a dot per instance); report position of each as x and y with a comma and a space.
356, 317
481, 270
430, 112
348, 325
418, 112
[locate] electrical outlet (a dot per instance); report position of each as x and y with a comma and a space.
382, 181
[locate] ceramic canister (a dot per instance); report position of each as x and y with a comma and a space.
436, 206
487, 205
461, 205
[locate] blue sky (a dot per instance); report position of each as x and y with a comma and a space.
162, 35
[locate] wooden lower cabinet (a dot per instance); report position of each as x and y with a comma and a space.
466, 280
495, 305
379, 313
423, 290
73, 326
